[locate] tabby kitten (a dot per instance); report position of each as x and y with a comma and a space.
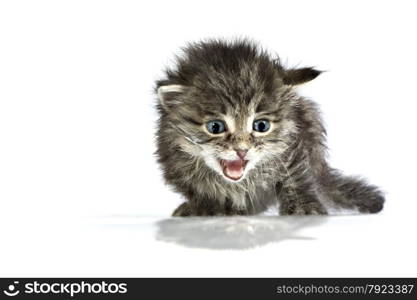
234, 138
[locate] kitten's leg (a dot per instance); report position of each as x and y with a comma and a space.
353, 193
184, 210
299, 200
198, 205
192, 209
231, 210
205, 207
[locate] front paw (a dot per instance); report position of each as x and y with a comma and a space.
184, 210
303, 209
207, 210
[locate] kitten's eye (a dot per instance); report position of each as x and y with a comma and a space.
216, 127
261, 125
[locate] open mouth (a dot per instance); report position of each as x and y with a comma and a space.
233, 169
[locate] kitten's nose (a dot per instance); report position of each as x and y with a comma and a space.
241, 153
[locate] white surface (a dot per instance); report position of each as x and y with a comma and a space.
240, 246
80, 192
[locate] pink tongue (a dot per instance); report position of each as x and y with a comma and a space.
234, 168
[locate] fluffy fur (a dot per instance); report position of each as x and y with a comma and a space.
237, 82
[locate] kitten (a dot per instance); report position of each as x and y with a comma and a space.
234, 137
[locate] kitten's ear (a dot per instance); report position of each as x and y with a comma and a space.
168, 95
299, 76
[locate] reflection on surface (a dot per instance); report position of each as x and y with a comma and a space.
233, 232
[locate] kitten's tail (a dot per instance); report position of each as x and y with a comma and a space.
348, 192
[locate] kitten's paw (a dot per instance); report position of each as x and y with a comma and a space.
316, 211
372, 205
304, 209
184, 210
188, 210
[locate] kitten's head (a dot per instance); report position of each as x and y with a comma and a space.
230, 104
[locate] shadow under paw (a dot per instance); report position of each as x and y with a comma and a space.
233, 232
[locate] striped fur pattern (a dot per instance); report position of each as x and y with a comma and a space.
237, 82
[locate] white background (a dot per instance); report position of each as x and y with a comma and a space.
80, 190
